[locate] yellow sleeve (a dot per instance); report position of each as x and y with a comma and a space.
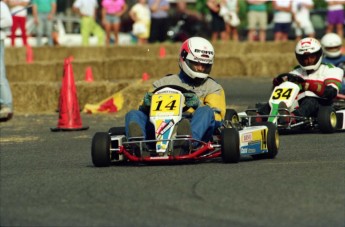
217, 102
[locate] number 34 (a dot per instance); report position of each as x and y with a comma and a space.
282, 93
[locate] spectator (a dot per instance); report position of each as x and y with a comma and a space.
182, 9
335, 16
257, 16
111, 17
282, 19
141, 15
202, 8
159, 20
186, 23
87, 9
19, 13
217, 23
6, 106
44, 12
301, 14
229, 11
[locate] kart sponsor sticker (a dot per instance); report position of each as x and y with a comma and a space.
251, 136
166, 126
247, 137
252, 148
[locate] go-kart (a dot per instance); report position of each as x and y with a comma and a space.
230, 141
284, 99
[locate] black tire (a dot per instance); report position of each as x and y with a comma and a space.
272, 141
100, 150
327, 119
231, 115
230, 145
117, 131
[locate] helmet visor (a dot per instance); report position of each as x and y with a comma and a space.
333, 49
199, 67
308, 59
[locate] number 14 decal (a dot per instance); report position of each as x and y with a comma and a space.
170, 106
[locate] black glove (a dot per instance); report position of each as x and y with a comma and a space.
329, 93
280, 79
295, 79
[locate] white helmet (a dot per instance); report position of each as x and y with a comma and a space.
196, 51
306, 48
331, 45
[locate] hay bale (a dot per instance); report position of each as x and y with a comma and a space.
36, 72
15, 55
42, 97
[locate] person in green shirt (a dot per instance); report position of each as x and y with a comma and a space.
257, 16
44, 13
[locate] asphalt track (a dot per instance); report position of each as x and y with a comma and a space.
47, 179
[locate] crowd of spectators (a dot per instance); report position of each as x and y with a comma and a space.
152, 20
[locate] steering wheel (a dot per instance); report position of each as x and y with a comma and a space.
291, 77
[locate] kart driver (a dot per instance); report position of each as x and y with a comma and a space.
331, 45
319, 83
206, 99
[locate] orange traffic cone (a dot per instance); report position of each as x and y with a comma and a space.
162, 52
88, 74
69, 112
29, 54
145, 76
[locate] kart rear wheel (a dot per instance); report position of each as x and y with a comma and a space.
272, 141
327, 119
231, 115
230, 145
100, 150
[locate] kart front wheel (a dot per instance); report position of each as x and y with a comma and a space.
100, 150
327, 119
230, 145
272, 141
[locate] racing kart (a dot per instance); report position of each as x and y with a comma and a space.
284, 99
230, 141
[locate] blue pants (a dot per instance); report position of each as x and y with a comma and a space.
203, 123
45, 26
5, 90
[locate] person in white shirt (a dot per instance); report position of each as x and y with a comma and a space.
87, 10
282, 19
301, 12
229, 11
6, 106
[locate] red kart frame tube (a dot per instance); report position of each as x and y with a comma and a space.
193, 156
